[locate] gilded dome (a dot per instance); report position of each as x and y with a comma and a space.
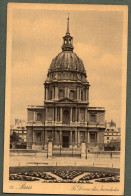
67, 61
67, 65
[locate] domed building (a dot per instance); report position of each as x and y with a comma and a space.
66, 118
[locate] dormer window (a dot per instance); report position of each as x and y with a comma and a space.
61, 94
72, 94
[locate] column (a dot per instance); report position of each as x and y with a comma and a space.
61, 137
56, 92
34, 117
76, 138
45, 137
76, 114
55, 115
70, 138
98, 138
46, 114
71, 115
49, 149
60, 114
68, 92
97, 143
78, 94
79, 114
83, 150
42, 139
88, 94
55, 138
88, 137
33, 136
47, 93
86, 115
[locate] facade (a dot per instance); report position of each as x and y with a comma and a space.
20, 129
112, 137
66, 118
111, 133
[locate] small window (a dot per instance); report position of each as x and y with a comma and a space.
93, 118
107, 138
39, 117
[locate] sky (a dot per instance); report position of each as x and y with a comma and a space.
37, 39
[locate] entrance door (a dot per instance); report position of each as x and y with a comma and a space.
38, 137
65, 143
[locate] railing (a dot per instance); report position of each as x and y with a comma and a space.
67, 152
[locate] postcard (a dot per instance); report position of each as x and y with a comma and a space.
65, 103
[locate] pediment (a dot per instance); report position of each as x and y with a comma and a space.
66, 100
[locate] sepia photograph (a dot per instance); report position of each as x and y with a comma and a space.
65, 101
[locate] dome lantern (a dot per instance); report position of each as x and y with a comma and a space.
67, 40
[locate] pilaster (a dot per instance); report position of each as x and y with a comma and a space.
70, 138
61, 137
76, 138
61, 114
71, 115
34, 116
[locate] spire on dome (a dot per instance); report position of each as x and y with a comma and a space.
67, 39
67, 32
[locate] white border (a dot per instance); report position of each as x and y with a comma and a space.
62, 188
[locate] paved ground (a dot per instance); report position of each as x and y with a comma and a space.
41, 160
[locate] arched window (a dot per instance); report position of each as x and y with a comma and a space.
61, 94
66, 117
39, 117
72, 94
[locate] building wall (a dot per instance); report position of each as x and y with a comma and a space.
29, 135
101, 117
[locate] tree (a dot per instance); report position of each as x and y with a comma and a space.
14, 137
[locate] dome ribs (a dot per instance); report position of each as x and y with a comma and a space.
64, 62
